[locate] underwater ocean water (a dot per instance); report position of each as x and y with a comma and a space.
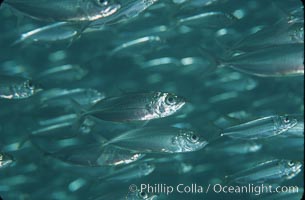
151, 99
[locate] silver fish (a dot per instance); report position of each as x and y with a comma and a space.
55, 32
278, 34
209, 20
136, 107
129, 9
62, 97
261, 128
296, 131
96, 155
267, 172
274, 61
159, 140
144, 44
5, 160
65, 10
63, 73
13, 87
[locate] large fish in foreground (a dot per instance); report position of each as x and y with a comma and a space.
65, 10
136, 107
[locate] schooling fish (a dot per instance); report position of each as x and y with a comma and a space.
267, 172
261, 128
159, 140
128, 9
136, 107
5, 159
274, 61
96, 155
278, 34
65, 10
14, 87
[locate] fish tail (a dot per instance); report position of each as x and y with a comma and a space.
216, 61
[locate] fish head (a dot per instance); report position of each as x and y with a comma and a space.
146, 169
189, 141
291, 168
104, 8
167, 103
26, 89
5, 159
286, 122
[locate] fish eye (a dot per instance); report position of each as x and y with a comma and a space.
102, 2
143, 195
290, 163
29, 84
286, 119
170, 100
194, 138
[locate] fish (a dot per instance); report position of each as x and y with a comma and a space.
86, 97
214, 19
132, 107
15, 87
93, 155
51, 33
159, 140
63, 73
65, 10
296, 131
272, 171
274, 61
277, 34
128, 10
5, 160
261, 128
145, 44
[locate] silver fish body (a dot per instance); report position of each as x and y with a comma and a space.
260, 128
274, 61
129, 9
268, 172
96, 155
13, 87
278, 34
65, 10
160, 140
136, 107
62, 97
